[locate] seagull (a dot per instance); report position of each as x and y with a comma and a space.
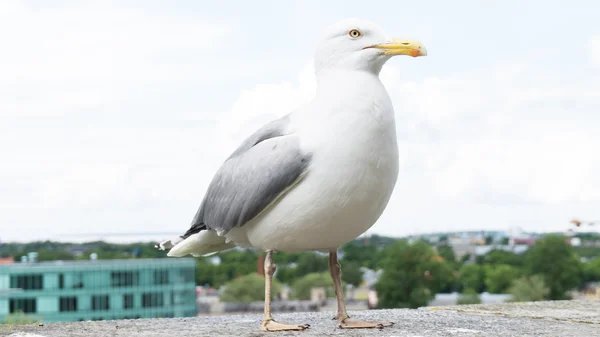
316, 178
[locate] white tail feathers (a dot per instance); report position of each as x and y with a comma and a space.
204, 243
168, 244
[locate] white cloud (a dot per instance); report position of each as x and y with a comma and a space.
82, 130
57, 61
521, 134
256, 106
551, 167
594, 47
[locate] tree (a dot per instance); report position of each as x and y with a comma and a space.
47, 255
498, 278
248, 288
469, 296
529, 289
465, 258
499, 256
412, 275
365, 254
556, 262
295, 265
472, 276
351, 273
284, 258
302, 287
311, 263
447, 252
591, 270
205, 272
285, 274
587, 251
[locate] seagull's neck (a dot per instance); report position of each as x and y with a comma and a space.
345, 97
334, 79
349, 89
350, 108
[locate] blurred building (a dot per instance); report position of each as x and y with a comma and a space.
6, 260
61, 291
592, 290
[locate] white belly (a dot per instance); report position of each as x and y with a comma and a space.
323, 213
344, 193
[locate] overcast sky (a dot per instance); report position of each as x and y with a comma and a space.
114, 115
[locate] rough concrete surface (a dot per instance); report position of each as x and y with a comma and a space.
561, 318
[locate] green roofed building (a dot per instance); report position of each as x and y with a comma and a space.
62, 291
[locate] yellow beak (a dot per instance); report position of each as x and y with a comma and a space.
412, 48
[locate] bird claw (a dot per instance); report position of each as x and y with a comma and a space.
271, 325
356, 324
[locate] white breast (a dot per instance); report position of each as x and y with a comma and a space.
352, 174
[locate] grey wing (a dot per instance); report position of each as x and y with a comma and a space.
261, 170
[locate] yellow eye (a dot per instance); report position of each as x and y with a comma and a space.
355, 33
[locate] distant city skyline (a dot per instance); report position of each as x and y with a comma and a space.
114, 115
124, 238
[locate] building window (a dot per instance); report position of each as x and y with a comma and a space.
61, 281
67, 303
24, 305
151, 300
124, 278
187, 275
128, 301
100, 302
27, 282
183, 297
161, 276
77, 281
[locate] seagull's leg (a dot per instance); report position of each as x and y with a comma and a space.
268, 323
342, 315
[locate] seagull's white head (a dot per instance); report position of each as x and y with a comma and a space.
360, 45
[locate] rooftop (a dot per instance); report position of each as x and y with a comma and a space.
94, 264
6, 260
559, 318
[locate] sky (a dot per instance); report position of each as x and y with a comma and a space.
114, 115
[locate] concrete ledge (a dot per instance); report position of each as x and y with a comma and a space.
587, 312
561, 318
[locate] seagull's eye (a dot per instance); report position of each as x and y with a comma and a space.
355, 33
